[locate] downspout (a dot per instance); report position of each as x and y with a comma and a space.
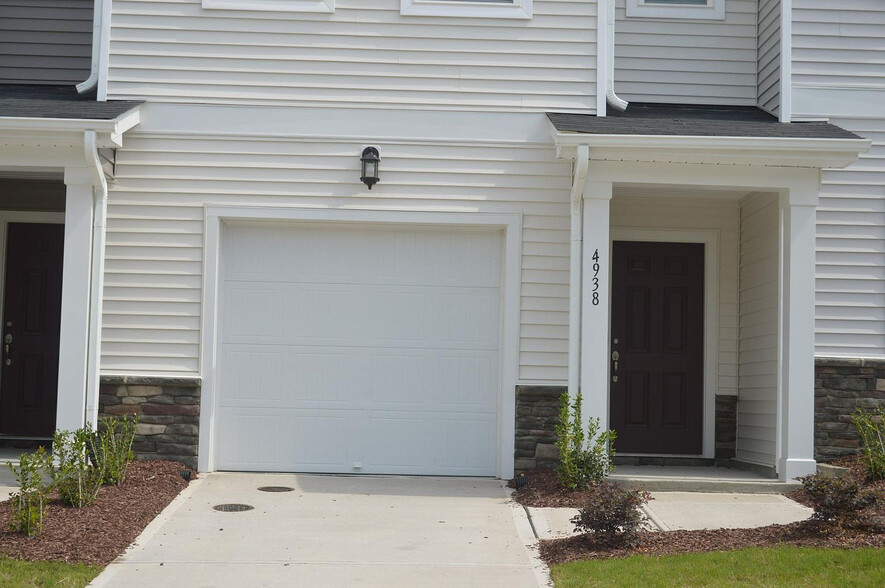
98, 31
582, 163
610, 97
99, 216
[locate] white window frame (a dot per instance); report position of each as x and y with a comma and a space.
322, 6
521, 9
714, 10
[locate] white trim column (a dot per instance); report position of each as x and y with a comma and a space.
796, 430
72, 357
596, 307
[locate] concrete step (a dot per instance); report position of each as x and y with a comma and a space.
699, 479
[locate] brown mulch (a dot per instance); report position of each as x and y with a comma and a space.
98, 533
544, 490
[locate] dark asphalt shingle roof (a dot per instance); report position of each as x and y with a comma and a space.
58, 102
704, 121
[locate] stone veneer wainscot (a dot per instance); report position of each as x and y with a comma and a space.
168, 411
841, 386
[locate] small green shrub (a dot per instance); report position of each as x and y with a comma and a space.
29, 503
584, 457
870, 424
612, 515
114, 447
838, 500
75, 478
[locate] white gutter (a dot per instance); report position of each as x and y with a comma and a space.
582, 164
99, 216
610, 97
98, 32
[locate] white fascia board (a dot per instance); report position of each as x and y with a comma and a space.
781, 151
38, 130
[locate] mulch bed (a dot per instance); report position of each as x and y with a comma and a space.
543, 490
100, 532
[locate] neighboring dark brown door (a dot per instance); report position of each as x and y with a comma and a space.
31, 319
658, 323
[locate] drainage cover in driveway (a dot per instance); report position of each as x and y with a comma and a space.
276, 489
233, 507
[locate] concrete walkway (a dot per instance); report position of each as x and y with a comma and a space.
333, 531
690, 511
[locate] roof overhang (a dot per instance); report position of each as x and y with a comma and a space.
722, 150
65, 132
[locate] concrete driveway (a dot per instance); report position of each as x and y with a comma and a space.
333, 531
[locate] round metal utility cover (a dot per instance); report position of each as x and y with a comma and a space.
276, 489
233, 507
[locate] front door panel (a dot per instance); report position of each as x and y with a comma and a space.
657, 387
31, 320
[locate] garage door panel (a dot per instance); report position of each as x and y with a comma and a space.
251, 441
369, 256
348, 349
365, 378
253, 376
313, 314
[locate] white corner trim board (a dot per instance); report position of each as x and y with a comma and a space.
322, 6
520, 9
220, 220
700, 10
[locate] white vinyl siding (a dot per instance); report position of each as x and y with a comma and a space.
688, 62
365, 54
850, 277
45, 41
697, 214
758, 376
769, 56
153, 277
838, 44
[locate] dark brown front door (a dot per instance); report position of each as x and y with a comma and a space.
31, 319
657, 387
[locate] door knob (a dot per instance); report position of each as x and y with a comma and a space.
7, 341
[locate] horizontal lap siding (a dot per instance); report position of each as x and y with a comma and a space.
364, 53
839, 44
758, 361
688, 62
153, 277
666, 213
850, 277
45, 41
769, 56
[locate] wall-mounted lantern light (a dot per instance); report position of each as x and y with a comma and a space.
370, 159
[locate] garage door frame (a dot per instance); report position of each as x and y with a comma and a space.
511, 224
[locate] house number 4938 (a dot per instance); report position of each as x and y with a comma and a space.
596, 278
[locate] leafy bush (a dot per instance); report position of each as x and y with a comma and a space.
584, 458
838, 499
871, 427
75, 478
29, 503
612, 515
114, 447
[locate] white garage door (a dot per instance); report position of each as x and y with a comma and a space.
357, 349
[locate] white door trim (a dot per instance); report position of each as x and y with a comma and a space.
511, 224
710, 239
